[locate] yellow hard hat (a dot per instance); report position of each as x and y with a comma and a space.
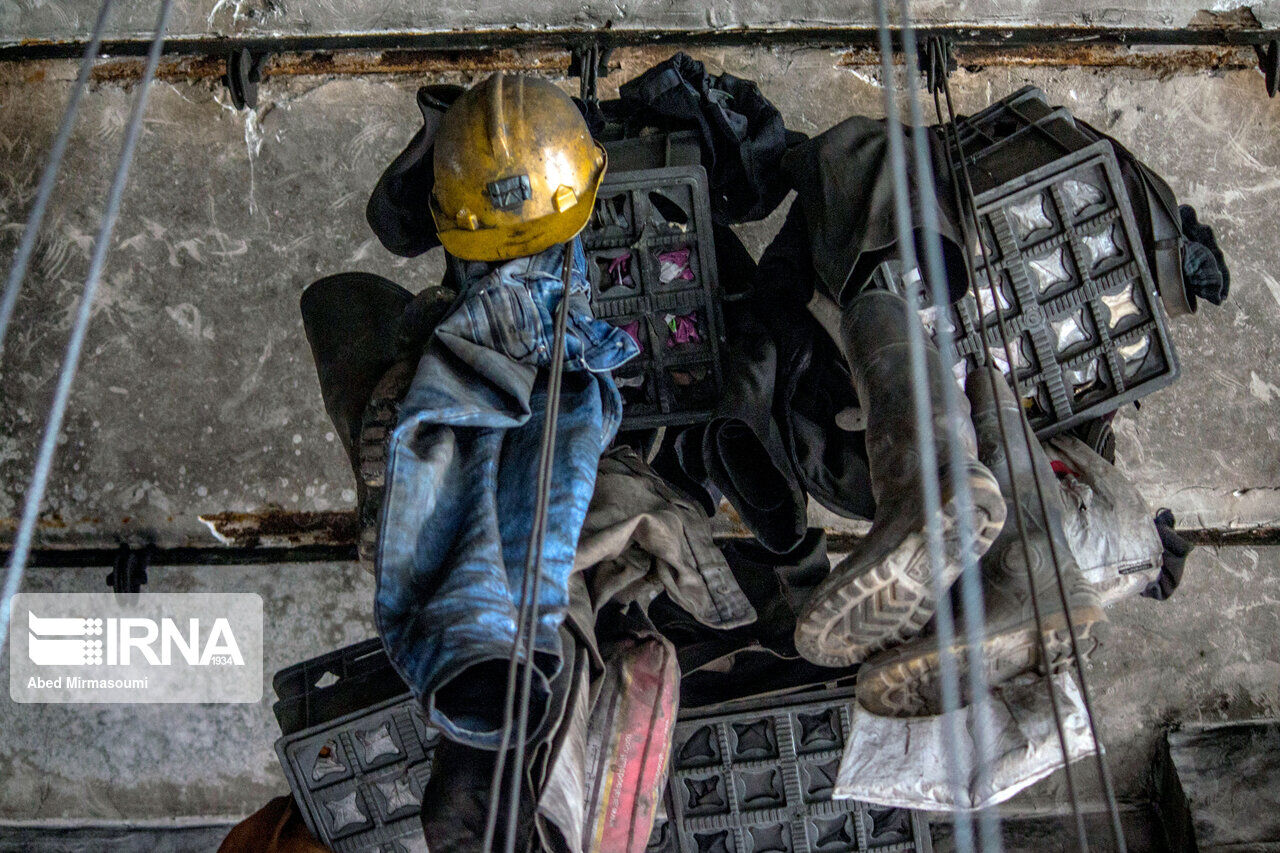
516, 170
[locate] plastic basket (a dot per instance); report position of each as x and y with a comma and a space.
1087, 330
358, 779
1014, 136
333, 685
757, 776
652, 264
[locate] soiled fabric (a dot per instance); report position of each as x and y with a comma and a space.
593, 782
461, 485
277, 827
1174, 559
812, 385
814, 388
397, 211
740, 450
1203, 265
641, 537
903, 762
455, 801
629, 736
845, 194
741, 133
720, 665
1106, 521
605, 782
367, 335
777, 586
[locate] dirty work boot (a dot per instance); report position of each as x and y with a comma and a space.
881, 594
906, 681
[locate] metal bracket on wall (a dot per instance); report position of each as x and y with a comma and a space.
588, 63
940, 61
1269, 64
244, 73
129, 573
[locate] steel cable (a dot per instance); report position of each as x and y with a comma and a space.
79, 328
970, 583
1104, 773
531, 585
48, 178
1014, 496
929, 475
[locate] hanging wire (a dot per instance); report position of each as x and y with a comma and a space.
80, 326
938, 69
929, 482
970, 579
1082, 838
531, 584
48, 178
1104, 773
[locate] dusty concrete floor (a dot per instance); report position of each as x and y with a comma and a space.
197, 394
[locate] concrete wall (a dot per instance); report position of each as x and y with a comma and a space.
60, 20
197, 394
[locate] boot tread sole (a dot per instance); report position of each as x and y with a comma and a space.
904, 682
859, 609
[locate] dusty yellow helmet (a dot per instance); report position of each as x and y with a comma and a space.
516, 170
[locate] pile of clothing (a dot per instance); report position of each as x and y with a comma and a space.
440, 400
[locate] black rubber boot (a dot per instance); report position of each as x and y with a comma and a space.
881, 594
906, 681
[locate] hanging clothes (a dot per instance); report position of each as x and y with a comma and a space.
367, 334
397, 210
1106, 522
741, 133
604, 787
720, 665
641, 537
461, 482
844, 188
902, 762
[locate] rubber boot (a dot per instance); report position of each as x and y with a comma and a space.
881, 594
906, 681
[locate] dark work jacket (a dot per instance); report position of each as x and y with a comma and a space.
844, 189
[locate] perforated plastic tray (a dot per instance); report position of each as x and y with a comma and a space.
358, 779
753, 776
1087, 330
757, 776
652, 265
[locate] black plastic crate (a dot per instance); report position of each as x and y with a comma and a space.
334, 685
1014, 136
756, 777
1087, 330
652, 265
358, 779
